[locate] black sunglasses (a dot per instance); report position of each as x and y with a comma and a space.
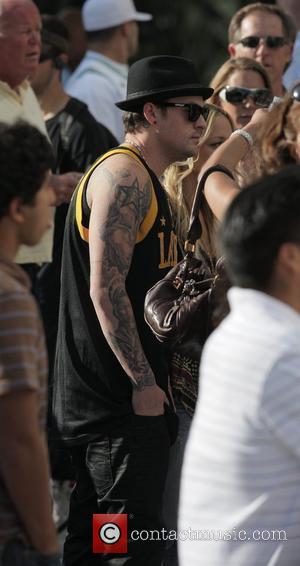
194, 111
271, 41
238, 95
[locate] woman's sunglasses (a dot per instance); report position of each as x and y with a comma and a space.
271, 41
238, 95
194, 111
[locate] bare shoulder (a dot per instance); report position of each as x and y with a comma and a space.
121, 175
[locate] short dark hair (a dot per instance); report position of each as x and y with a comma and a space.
25, 157
133, 121
55, 39
289, 28
259, 220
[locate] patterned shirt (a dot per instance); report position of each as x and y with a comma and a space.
23, 363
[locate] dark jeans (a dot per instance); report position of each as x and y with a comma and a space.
123, 472
15, 553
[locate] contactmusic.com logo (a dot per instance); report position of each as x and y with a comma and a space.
110, 534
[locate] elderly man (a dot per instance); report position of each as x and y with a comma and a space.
111, 398
240, 495
265, 33
112, 39
20, 44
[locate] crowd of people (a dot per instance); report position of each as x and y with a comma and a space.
100, 163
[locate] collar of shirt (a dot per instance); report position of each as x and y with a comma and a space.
250, 299
18, 93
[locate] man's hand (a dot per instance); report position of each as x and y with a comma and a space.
64, 186
149, 401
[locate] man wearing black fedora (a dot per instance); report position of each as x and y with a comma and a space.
111, 395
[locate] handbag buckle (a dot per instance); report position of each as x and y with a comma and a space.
177, 283
188, 247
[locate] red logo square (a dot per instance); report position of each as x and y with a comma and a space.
110, 534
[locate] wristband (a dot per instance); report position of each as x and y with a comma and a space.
246, 135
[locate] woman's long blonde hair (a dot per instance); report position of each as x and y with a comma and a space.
173, 183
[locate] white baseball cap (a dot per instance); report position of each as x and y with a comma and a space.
103, 14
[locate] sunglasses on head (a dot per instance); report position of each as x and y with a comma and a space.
294, 96
295, 92
238, 95
271, 41
194, 111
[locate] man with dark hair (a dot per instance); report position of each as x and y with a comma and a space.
111, 392
112, 34
265, 33
27, 531
77, 140
242, 468
72, 19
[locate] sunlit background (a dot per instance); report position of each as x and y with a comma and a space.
196, 29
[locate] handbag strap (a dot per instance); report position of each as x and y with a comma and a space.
195, 227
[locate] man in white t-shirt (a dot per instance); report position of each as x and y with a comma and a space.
240, 492
112, 39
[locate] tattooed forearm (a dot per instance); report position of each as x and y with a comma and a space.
118, 233
124, 337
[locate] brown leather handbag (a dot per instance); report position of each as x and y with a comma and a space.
180, 307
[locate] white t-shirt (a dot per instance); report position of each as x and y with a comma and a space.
241, 475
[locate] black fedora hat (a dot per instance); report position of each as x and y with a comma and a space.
160, 77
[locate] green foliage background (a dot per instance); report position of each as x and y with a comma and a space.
196, 29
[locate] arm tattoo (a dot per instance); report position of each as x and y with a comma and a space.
126, 212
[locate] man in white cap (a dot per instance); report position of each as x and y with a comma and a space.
112, 39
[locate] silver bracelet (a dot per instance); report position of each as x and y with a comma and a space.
246, 135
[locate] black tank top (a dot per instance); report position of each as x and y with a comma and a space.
91, 389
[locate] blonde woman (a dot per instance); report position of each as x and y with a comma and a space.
180, 179
277, 135
241, 85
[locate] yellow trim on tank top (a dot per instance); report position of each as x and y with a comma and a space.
149, 219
